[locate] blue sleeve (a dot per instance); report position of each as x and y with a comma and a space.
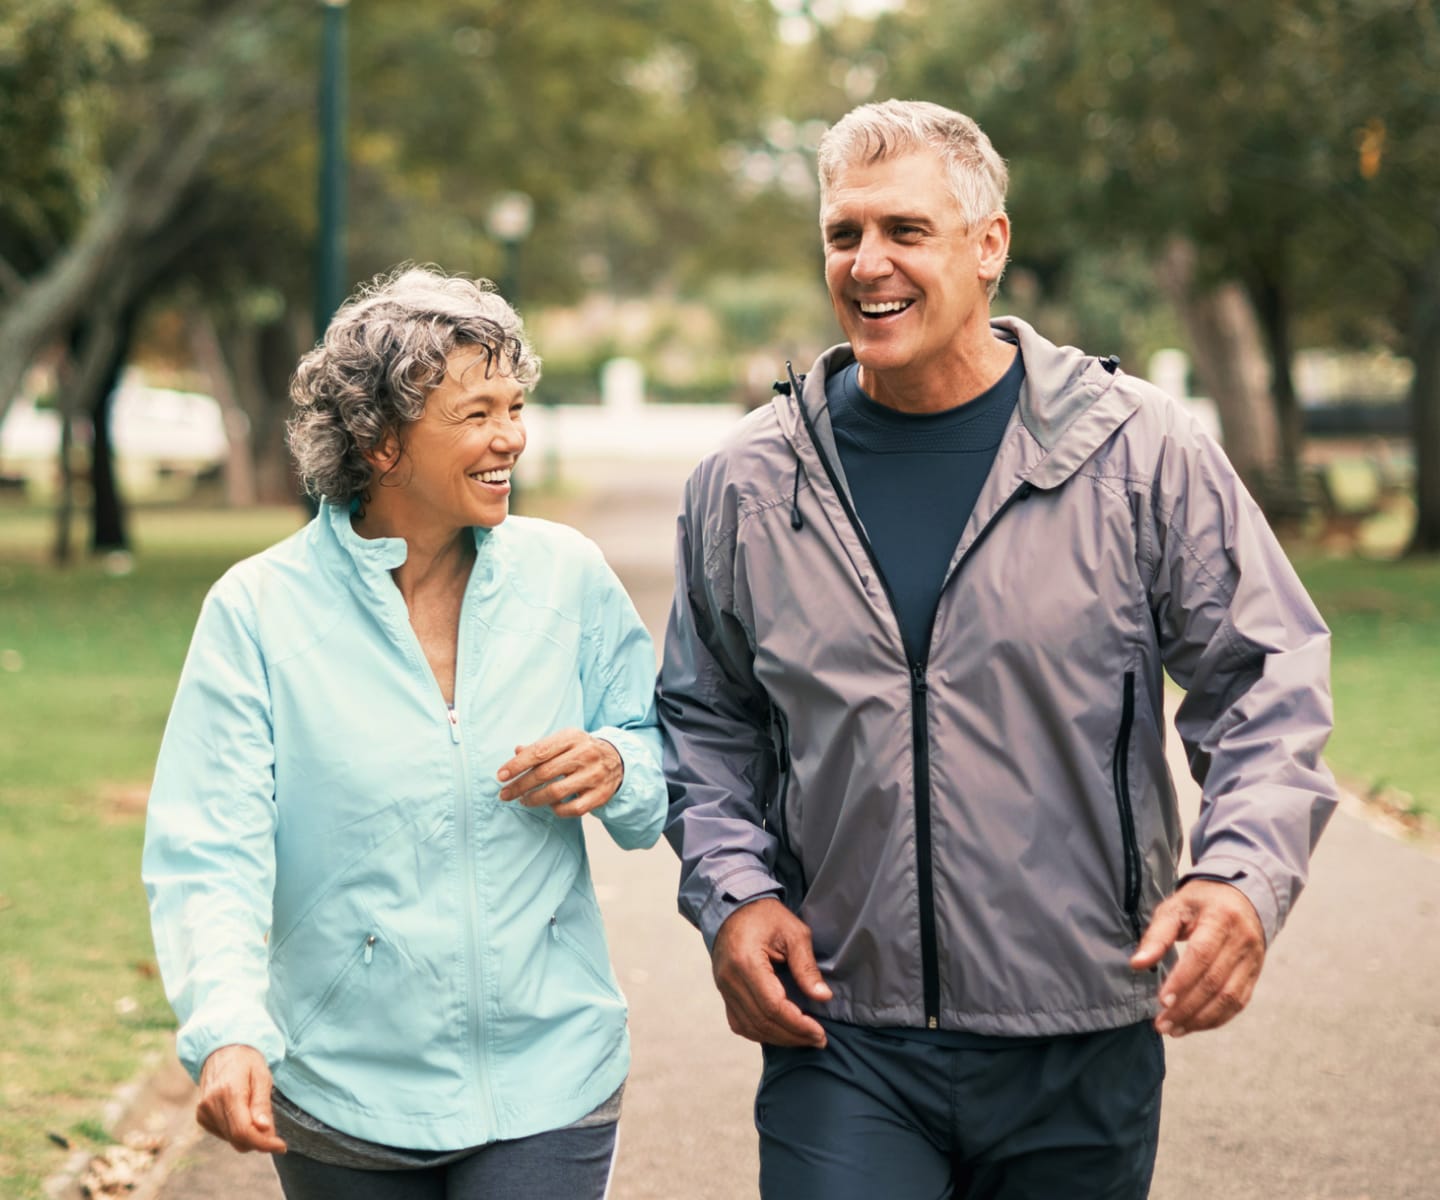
617, 674
209, 859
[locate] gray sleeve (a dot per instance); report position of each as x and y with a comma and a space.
1238, 632
718, 754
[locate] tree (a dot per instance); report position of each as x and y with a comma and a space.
1287, 142
186, 171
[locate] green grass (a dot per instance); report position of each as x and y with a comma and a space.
88, 665
1385, 618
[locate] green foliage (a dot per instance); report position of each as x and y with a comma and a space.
1290, 141
56, 57
88, 664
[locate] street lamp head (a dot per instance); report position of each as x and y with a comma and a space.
511, 217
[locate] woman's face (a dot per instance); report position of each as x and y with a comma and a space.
455, 462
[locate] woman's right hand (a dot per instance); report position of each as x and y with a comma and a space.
235, 1100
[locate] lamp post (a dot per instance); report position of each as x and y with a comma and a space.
509, 221
330, 273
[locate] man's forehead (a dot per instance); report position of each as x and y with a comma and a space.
888, 188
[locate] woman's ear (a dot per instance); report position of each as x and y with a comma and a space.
385, 456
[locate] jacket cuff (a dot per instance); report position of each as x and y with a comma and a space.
195, 1043
744, 886
635, 814
1251, 882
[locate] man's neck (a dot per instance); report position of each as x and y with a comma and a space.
934, 387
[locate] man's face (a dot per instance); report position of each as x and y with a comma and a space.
907, 277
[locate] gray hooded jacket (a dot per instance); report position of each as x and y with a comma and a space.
978, 840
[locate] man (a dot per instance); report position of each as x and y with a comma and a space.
912, 695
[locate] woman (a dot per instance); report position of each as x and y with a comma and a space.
365, 868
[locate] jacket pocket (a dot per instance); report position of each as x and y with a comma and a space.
777, 817
1120, 772
564, 937
362, 956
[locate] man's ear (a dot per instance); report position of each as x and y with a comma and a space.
993, 247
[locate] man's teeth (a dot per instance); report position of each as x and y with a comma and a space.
502, 476
879, 309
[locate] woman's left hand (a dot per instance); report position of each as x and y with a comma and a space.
570, 771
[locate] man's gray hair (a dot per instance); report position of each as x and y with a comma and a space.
383, 353
873, 133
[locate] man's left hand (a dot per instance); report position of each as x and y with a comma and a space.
571, 771
1225, 949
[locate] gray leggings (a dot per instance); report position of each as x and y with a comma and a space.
572, 1162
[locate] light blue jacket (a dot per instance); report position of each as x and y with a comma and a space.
332, 876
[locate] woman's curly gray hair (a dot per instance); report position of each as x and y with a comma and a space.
384, 351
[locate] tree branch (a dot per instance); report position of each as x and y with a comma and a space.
12, 283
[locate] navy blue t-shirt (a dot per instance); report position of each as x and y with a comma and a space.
915, 479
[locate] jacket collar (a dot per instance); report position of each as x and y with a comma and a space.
1069, 406
371, 556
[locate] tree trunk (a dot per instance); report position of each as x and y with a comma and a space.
61, 551
240, 491
108, 532
1272, 306
1229, 360
260, 361
1423, 336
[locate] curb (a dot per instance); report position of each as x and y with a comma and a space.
159, 1101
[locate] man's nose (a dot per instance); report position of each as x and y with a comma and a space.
872, 261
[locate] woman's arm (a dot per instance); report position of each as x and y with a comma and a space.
209, 860
612, 766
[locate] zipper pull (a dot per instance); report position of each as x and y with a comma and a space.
554, 929
369, 949
917, 677
454, 724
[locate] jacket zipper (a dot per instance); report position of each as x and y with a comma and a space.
481, 1073
782, 761
467, 865
1120, 769
919, 722
925, 855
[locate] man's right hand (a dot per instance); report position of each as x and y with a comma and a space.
750, 942
235, 1100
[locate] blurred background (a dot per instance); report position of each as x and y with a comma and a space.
1242, 202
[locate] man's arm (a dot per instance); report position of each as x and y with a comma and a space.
719, 762
1238, 632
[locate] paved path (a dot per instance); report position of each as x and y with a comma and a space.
1328, 1088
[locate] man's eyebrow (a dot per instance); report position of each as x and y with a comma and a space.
899, 218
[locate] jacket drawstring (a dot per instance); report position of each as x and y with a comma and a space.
793, 388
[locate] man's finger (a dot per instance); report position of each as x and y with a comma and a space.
1163, 932
800, 957
1222, 1005
771, 1016
755, 995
